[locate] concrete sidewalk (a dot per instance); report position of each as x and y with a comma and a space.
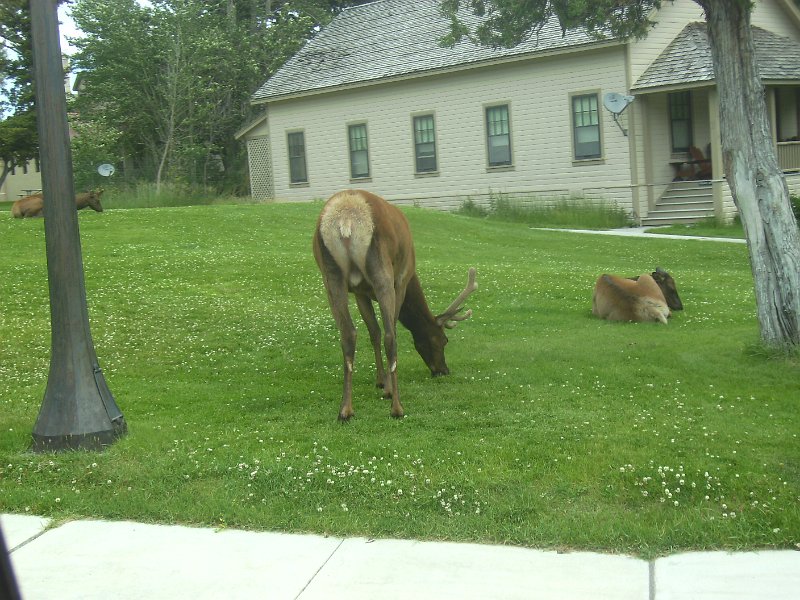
122, 560
645, 232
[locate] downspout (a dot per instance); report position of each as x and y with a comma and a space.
633, 163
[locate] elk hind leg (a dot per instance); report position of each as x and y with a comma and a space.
368, 314
386, 301
337, 296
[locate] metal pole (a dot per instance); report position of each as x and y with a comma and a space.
78, 410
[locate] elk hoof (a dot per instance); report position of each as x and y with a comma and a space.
345, 417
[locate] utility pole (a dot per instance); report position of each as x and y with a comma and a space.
78, 410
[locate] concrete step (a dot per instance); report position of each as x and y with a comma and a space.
663, 211
688, 194
691, 183
701, 202
682, 202
680, 213
654, 221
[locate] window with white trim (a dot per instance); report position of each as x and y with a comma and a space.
424, 144
498, 135
295, 142
680, 121
359, 151
586, 127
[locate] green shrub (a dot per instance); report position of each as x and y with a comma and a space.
470, 209
582, 213
147, 195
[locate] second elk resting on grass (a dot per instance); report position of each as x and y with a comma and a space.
648, 297
363, 246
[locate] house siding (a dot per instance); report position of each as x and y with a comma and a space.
770, 15
24, 181
671, 18
538, 95
537, 90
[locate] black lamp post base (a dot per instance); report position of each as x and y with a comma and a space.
97, 440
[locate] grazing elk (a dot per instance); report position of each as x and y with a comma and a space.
33, 205
648, 297
363, 246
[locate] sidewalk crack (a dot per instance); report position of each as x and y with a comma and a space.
322, 566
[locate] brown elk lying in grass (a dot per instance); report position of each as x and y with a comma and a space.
363, 246
648, 297
33, 205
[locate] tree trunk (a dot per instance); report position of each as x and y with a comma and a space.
173, 69
754, 176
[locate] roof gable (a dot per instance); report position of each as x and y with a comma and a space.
396, 38
687, 59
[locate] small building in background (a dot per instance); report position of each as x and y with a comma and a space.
26, 179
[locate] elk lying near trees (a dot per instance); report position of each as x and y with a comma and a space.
362, 245
33, 205
648, 297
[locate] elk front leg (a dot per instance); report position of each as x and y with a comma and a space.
368, 314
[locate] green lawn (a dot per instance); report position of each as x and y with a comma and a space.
554, 430
706, 228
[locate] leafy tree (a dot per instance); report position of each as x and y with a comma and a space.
94, 143
751, 166
18, 137
174, 77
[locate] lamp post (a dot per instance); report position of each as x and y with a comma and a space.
78, 410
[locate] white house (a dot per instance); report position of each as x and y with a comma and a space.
373, 101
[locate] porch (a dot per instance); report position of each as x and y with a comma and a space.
686, 184
789, 155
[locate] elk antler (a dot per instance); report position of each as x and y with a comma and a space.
450, 317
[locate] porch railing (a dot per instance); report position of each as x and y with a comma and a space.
789, 155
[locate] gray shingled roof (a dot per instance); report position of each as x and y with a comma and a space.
687, 59
393, 38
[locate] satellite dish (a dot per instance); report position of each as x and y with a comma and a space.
106, 170
616, 103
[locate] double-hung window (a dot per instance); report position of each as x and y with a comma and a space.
297, 157
586, 127
424, 144
680, 121
498, 136
359, 153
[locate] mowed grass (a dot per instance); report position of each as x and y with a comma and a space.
704, 228
554, 429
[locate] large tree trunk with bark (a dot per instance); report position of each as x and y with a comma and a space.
754, 176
